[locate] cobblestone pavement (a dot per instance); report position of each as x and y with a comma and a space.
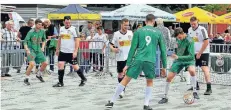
98, 90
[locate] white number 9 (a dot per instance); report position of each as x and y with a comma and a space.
148, 40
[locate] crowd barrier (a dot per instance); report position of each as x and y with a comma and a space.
90, 55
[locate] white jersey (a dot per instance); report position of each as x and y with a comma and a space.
68, 39
199, 35
91, 43
102, 38
123, 42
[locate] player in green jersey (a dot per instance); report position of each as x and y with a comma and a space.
184, 58
141, 57
35, 55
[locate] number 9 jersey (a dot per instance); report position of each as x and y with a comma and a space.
145, 44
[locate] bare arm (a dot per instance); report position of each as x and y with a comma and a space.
77, 40
58, 44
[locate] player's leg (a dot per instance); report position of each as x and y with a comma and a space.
40, 58
175, 68
198, 63
79, 71
205, 69
119, 89
148, 94
31, 60
120, 66
132, 72
61, 63
192, 72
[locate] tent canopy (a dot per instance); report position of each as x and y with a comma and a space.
137, 12
76, 12
224, 19
202, 15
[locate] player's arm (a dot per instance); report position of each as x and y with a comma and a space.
77, 41
43, 41
206, 41
133, 48
190, 50
162, 45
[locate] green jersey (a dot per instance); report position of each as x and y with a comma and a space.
34, 39
185, 50
144, 46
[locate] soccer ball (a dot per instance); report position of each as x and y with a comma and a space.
188, 98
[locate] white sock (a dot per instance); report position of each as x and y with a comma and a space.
28, 77
166, 89
194, 83
148, 94
119, 89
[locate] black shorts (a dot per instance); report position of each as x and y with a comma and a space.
67, 57
121, 65
203, 61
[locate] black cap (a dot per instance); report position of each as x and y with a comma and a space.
89, 22
178, 31
67, 18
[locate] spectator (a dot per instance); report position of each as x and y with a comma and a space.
171, 31
228, 38
8, 38
98, 24
165, 32
219, 36
91, 47
85, 56
211, 38
87, 30
51, 42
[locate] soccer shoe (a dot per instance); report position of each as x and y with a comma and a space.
58, 85
190, 89
147, 107
18, 71
208, 92
7, 75
109, 104
121, 95
40, 78
82, 83
163, 100
26, 81
195, 95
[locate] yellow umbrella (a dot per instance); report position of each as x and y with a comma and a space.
60, 16
202, 15
224, 19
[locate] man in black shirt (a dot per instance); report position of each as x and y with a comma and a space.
25, 29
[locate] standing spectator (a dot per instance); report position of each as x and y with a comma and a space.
87, 30
211, 38
23, 32
84, 46
92, 47
100, 36
171, 31
165, 32
50, 36
98, 24
228, 38
7, 43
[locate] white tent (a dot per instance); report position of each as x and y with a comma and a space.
137, 12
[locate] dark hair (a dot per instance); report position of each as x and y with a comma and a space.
100, 28
124, 20
38, 21
178, 31
30, 20
67, 18
89, 22
193, 19
150, 17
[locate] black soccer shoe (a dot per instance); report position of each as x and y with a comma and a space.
195, 95
147, 107
26, 81
40, 78
163, 100
109, 104
58, 85
208, 92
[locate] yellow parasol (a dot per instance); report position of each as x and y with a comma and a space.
60, 16
224, 19
202, 15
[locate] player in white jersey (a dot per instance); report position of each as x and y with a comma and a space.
202, 49
121, 44
66, 50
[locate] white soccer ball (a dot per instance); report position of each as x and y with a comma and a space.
188, 98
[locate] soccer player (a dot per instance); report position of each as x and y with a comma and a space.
184, 57
121, 44
202, 49
142, 57
66, 50
35, 55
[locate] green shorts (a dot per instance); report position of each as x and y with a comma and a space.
137, 67
177, 66
38, 57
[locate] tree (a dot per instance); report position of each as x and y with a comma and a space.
215, 7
